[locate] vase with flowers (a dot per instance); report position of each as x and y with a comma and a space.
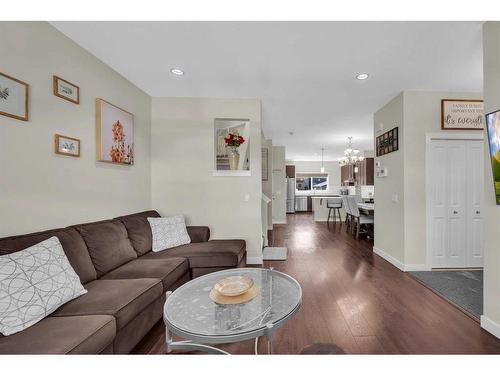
233, 141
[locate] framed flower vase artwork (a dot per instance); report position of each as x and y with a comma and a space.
66, 90
231, 146
13, 97
114, 134
66, 145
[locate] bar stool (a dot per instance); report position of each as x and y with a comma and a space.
334, 205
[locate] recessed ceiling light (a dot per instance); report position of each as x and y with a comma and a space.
362, 76
177, 72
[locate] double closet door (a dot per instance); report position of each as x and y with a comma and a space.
455, 193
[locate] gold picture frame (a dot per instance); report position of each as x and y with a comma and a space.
68, 148
66, 90
114, 134
13, 90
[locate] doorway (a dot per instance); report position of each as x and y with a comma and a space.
454, 191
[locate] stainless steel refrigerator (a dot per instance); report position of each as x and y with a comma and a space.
290, 195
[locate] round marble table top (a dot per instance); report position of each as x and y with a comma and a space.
190, 309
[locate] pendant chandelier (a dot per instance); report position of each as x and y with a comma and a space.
351, 155
322, 165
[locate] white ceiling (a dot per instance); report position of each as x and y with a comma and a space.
304, 72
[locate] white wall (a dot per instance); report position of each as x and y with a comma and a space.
422, 115
331, 167
182, 165
389, 215
279, 185
491, 314
400, 227
39, 189
267, 186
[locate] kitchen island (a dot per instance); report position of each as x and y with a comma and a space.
320, 209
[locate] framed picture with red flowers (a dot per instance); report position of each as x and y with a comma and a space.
232, 147
114, 134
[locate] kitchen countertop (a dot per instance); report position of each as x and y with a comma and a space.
325, 196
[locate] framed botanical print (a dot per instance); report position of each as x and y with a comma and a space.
114, 134
67, 145
13, 97
66, 90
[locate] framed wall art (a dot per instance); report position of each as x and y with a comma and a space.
462, 114
387, 142
231, 147
114, 134
13, 97
66, 90
67, 145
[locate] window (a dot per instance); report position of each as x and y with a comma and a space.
319, 183
311, 182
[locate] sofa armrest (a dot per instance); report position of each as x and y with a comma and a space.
198, 233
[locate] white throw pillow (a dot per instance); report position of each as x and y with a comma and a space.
168, 232
34, 282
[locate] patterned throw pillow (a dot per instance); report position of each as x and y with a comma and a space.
34, 282
168, 232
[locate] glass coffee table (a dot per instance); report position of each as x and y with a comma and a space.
191, 314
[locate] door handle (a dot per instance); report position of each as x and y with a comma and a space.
455, 212
478, 212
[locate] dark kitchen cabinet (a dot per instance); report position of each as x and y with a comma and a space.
363, 176
309, 204
290, 171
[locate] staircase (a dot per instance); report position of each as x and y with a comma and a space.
222, 163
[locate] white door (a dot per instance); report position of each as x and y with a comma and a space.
455, 191
475, 189
456, 197
438, 195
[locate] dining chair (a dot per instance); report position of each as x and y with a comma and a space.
358, 219
334, 205
345, 204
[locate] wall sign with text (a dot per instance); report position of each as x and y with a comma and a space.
387, 142
462, 114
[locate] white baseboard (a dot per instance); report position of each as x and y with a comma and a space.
279, 221
490, 326
254, 260
395, 262
389, 258
416, 267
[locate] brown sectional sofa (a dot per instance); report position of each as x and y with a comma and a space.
125, 280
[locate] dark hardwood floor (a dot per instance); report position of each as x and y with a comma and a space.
357, 300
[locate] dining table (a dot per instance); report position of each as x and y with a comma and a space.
367, 208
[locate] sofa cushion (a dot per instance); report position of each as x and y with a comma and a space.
61, 335
71, 241
108, 244
168, 270
34, 282
168, 232
215, 253
124, 299
198, 233
139, 230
